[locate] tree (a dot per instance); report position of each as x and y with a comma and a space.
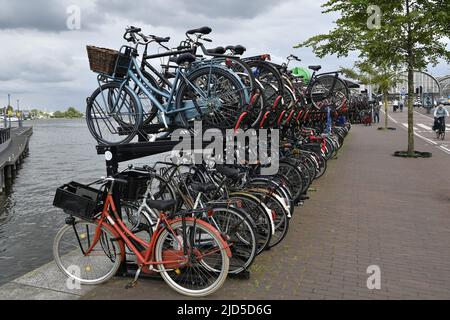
383, 77
58, 114
73, 113
396, 33
9, 110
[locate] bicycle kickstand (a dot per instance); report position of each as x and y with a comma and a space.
133, 283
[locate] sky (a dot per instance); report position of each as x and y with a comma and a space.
43, 61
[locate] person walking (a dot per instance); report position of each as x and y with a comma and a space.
376, 112
395, 105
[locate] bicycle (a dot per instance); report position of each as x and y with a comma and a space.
114, 112
189, 254
440, 131
224, 215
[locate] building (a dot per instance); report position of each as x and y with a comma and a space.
424, 83
445, 86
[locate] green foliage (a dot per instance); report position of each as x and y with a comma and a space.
382, 77
58, 114
412, 36
71, 113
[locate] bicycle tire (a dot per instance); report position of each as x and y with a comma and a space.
216, 116
95, 113
72, 269
167, 275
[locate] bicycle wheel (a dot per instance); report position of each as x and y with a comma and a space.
113, 114
260, 214
322, 167
71, 244
280, 215
293, 176
328, 91
277, 184
269, 78
218, 97
241, 69
242, 237
204, 270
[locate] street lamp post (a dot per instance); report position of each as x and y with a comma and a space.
19, 117
5, 112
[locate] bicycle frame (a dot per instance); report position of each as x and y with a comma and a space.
146, 256
215, 61
124, 233
135, 75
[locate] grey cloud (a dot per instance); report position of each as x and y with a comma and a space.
39, 14
46, 15
51, 15
161, 10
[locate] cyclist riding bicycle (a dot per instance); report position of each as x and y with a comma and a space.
440, 113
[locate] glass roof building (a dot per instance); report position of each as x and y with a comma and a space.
445, 85
424, 83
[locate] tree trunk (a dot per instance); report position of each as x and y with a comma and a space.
410, 112
410, 57
385, 97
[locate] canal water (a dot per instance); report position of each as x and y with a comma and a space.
60, 151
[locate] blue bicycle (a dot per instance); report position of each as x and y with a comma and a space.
115, 113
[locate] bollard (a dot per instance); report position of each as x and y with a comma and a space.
2, 180
8, 173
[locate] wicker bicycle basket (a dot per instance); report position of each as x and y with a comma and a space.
102, 60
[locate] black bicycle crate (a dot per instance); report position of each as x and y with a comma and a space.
136, 186
78, 200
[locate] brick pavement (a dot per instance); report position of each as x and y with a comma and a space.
369, 209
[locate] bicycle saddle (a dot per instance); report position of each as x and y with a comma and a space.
203, 188
161, 205
228, 172
218, 50
202, 30
237, 50
183, 58
161, 40
315, 68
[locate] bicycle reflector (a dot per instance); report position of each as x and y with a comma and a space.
210, 213
228, 62
266, 57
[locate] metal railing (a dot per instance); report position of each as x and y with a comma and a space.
5, 135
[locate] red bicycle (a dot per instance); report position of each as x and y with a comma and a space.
190, 254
